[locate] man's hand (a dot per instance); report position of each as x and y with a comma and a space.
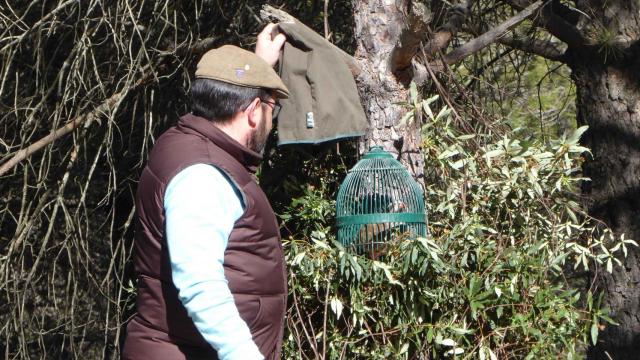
269, 48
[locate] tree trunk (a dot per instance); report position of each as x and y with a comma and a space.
608, 100
378, 24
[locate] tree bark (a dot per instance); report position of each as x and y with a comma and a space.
608, 100
378, 25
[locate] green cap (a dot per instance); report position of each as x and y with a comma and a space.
237, 66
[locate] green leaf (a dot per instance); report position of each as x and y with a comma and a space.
387, 271
448, 153
429, 335
456, 351
444, 113
594, 333
575, 136
456, 165
466, 137
606, 318
298, 258
413, 92
462, 331
336, 307
406, 117
492, 355
427, 108
447, 342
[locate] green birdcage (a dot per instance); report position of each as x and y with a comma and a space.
378, 202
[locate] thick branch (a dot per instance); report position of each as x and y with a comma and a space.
555, 24
490, 36
561, 29
103, 108
546, 49
409, 42
271, 14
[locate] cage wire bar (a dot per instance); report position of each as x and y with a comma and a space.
377, 202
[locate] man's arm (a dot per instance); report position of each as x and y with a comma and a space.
269, 48
201, 207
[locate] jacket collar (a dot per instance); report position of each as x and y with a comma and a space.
247, 157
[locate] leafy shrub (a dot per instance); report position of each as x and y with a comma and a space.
498, 276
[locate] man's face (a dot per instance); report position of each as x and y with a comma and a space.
260, 134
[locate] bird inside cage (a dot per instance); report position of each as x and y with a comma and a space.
396, 207
372, 239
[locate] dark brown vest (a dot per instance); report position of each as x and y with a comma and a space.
253, 261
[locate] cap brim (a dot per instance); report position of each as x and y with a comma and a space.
282, 94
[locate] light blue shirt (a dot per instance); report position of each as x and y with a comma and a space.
201, 207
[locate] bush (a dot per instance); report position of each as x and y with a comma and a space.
498, 276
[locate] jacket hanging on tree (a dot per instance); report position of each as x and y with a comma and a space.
324, 104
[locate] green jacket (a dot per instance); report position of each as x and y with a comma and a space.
324, 104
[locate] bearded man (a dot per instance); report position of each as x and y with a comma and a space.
208, 256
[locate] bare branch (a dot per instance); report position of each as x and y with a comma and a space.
326, 19
104, 107
546, 49
491, 36
86, 118
561, 29
409, 41
556, 24
271, 14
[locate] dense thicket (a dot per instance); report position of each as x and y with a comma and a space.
498, 277
487, 282
120, 70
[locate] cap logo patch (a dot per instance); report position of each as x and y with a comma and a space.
239, 73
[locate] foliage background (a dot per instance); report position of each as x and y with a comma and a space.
122, 67
498, 277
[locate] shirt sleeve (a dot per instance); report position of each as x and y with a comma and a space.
201, 207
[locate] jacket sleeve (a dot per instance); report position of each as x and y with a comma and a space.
201, 207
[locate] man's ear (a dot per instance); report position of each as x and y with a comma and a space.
252, 113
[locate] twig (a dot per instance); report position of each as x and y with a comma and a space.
304, 328
326, 19
324, 321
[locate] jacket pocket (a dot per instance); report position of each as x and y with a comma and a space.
270, 313
267, 329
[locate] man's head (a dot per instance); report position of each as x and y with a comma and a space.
238, 92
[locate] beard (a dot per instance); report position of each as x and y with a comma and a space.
258, 138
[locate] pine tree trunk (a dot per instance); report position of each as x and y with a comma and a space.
608, 100
378, 24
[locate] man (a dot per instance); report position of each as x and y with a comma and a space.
210, 266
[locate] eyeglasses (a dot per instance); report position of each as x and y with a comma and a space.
274, 106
